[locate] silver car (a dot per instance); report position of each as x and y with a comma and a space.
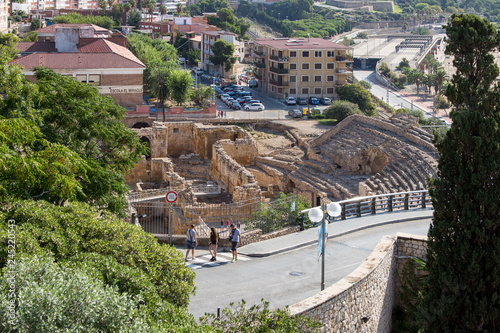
254, 107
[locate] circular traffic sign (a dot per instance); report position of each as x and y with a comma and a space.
171, 196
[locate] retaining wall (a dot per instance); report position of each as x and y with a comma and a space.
363, 300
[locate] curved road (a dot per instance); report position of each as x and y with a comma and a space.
287, 278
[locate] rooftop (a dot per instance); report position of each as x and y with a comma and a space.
300, 43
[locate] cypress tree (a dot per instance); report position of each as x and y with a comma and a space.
462, 292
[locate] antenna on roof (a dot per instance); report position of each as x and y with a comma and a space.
308, 35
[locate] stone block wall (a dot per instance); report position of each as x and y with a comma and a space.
243, 151
232, 176
363, 300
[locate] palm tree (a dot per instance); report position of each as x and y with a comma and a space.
178, 6
110, 3
440, 78
163, 9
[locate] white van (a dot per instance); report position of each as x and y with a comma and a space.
252, 83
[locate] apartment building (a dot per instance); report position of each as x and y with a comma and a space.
62, 4
208, 39
4, 14
301, 67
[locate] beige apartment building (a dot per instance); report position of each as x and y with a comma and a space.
301, 67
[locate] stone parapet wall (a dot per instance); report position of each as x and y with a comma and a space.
363, 300
243, 151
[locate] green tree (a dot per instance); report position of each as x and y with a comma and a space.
340, 110
31, 36
76, 116
463, 255
278, 214
404, 63
259, 318
193, 56
201, 94
134, 18
365, 84
357, 94
8, 49
223, 55
35, 24
180, 82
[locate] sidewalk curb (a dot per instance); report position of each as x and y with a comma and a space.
260, 255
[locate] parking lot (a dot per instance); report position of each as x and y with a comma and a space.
274, 108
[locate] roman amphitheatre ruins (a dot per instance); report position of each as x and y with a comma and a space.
222, 169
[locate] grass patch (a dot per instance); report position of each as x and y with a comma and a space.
397, 9
330, 122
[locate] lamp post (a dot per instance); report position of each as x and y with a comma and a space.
316, 215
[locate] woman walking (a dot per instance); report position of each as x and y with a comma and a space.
191, 242
214, 240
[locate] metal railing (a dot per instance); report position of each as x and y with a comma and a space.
370, 205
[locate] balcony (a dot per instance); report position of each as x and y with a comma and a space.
344, 58
276, 58
278, 83
257, 53
259, 64
341, 71
278, 70
257, 76
339, 83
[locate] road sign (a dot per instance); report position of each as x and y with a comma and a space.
171, 196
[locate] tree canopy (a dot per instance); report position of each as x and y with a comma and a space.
223, 54
463, 256
72, 125
357, 94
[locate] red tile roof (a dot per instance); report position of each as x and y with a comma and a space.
32, 47
99, 54
300, 44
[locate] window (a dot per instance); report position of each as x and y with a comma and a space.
293, 91
305, 54
293, 79
305, 91
330, 65
305, 66
293, 66
293, 54
329, 90
176, 130
318, 54
317, 66
272, 77
330, 78
82, 78
317, 78
305, 78
94, 79
317, 91
330, 54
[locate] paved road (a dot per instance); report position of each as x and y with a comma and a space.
286, 278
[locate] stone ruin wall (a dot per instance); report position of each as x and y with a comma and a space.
235, 178
205, 136
363, 300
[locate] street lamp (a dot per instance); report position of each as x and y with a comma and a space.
317, 215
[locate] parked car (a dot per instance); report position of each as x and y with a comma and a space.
229, 101
223, 97
295, 113
244, 101
325, 100
315, 111
251, 101
291, 101
235, 105
200, 72
313, 101
301, 101
254, 107
252, 83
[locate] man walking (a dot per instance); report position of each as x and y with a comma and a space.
235, 239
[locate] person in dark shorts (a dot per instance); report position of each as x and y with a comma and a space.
214, 240
235, 239
191, 242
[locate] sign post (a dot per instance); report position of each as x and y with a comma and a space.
171, 198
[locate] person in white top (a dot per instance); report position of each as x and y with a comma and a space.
235, 239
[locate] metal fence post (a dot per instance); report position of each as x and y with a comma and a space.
359, 208
407, 198
374, 211
423, 199
390, 203
343, 211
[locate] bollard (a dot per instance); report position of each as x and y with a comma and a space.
218, 312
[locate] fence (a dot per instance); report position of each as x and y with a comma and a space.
357, 207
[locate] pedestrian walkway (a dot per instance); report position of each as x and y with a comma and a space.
300, 239
203, 261
336, 228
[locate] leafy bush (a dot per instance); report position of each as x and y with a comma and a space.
357, 94
341, 109
51, 298
123, 255
365, 84
258, 318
